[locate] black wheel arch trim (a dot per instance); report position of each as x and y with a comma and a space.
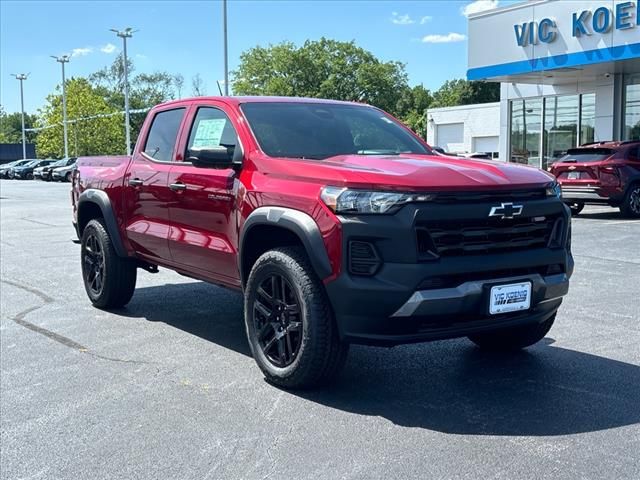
633, 181
101, 199
301, 224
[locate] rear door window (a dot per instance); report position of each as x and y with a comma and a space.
586, 155
163, 134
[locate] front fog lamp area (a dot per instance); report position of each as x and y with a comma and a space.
344, 200
554, 190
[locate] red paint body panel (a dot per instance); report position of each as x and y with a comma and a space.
196, 231
609, 177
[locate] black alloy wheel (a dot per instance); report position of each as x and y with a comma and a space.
94, 265
634, 201
277, 320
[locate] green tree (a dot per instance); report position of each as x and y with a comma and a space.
412, 108
463, 92
145, 89
97, 136
322, 69
11, 127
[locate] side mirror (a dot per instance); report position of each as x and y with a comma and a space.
211, 157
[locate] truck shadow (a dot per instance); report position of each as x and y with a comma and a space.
450, 386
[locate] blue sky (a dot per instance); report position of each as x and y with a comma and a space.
186, 36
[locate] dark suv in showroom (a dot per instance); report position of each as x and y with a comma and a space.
604, 173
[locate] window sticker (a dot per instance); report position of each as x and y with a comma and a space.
209, 132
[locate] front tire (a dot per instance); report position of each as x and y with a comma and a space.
514, 338
67, 177
290, 326
109, 280
631, 204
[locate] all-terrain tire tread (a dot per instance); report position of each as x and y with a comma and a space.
120, 273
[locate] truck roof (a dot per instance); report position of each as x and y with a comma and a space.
237, 100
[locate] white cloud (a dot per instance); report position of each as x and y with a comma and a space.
401, 19
81, 52
425, 19
449, 38
478, 6
108, 48
141, 56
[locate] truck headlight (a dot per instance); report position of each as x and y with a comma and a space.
344, 200
554, 190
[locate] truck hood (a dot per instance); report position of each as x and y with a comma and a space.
420, 172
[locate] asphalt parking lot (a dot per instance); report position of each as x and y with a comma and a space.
165, 388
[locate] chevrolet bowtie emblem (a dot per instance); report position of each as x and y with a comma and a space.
506, 211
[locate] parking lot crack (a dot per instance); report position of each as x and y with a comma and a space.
67, 342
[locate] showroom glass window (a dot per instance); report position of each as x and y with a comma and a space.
526, 125
560, 127
632, 108
587, 118
569, 121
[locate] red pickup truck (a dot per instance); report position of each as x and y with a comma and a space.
337, 222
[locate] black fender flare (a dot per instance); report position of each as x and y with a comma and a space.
301, 224
631, 181
101, 199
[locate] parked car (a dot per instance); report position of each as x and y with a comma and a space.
6, 168
45, 172
338, 223
63, 174
604, 173
25, 172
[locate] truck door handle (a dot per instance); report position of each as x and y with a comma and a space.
135, 182
178, 187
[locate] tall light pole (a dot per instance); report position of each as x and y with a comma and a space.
124, 34
22, 77
62, 60
226, 55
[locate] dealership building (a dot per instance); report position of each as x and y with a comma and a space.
569, 74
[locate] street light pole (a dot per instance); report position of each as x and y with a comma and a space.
226, 55
22, 77
62, 60
124, 34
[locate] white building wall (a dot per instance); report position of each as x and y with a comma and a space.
480, 120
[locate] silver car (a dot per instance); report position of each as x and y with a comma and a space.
63, 174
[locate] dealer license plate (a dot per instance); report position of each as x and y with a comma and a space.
510, 298
573, 175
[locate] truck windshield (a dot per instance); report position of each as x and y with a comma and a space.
322, 130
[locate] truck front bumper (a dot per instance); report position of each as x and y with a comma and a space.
382, 312
409, 298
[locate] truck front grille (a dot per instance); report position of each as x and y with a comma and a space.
481, 236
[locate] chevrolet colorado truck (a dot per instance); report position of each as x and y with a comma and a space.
338, 224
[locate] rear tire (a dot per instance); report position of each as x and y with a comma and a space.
514, 338
290, 326
67, 177
109, 280
630, 206
576, 208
